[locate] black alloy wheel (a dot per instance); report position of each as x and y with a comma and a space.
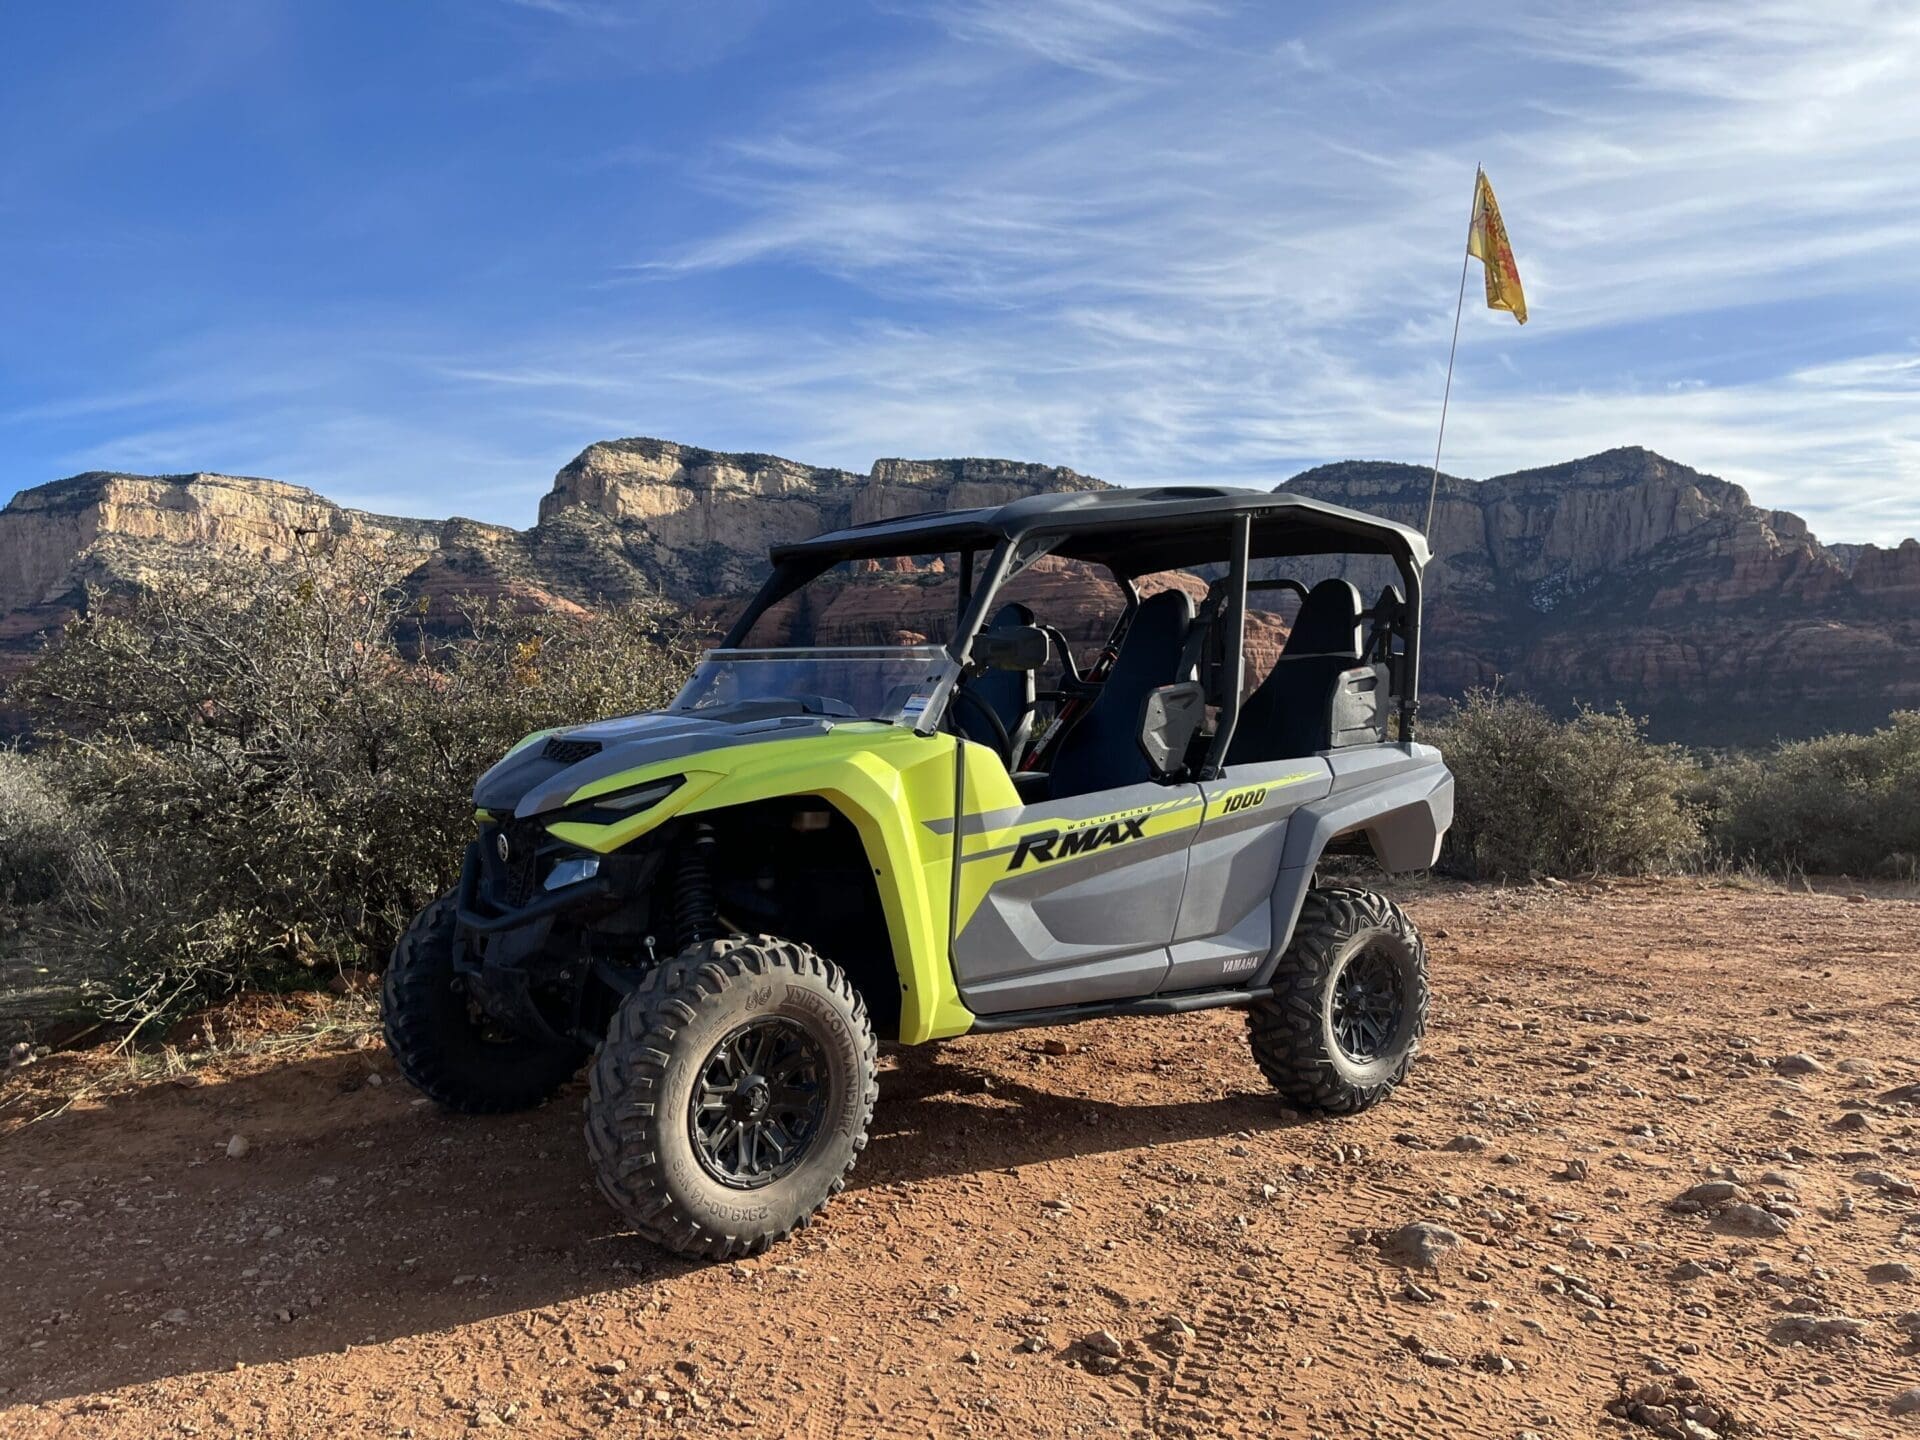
757, 1103
732, 1095
1367, 1002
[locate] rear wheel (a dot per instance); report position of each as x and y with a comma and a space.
1349, 1003
450, 1050
732, 1095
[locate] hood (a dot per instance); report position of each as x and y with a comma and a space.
541, 772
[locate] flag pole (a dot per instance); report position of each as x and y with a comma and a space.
1466, 254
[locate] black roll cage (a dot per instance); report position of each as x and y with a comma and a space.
1140, 533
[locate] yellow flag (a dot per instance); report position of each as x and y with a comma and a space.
1487, 239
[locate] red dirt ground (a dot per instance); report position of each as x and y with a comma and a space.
373, 1267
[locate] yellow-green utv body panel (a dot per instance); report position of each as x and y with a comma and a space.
888, 782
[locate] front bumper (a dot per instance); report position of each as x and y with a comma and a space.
481, 915
501, 949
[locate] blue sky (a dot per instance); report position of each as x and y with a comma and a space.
418, 255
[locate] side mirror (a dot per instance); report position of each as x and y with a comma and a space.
1012, 647
1169, 719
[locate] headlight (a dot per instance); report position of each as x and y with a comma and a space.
612, 808
572, 872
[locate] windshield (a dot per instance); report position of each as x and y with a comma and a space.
906, 684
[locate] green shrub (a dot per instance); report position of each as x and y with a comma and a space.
1538, 796
276, 761
1838, 805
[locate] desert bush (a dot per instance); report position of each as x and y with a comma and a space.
37, 829
1837, 805
277, 759
1534, 795
46, 850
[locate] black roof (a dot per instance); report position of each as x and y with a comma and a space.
1132, 531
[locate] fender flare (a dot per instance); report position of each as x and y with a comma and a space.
882, 800
1405, 817
885, 781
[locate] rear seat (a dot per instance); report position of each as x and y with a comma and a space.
1291, 714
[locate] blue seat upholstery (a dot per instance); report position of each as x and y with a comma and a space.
1290, 715
1102, 751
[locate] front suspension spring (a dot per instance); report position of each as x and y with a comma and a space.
695, 916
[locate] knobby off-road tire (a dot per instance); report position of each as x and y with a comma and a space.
677, 1072
453, 1056
1348, 948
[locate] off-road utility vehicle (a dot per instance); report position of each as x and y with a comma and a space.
726, 902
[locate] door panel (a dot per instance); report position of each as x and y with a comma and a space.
1224, 931
1072, 900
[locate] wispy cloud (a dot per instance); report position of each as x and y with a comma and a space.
567, 41
1097, 36
1250, 254
602, 14
1840, 441
1647, 182
1146, 238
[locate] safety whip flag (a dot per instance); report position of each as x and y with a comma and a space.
1487, 242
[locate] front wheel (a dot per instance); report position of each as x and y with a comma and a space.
1349, 1003
451, 1050
731, 1095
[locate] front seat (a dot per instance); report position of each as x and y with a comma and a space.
1010, 694
1290, 714
1102, 750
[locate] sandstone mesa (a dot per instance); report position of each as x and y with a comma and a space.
1621, 577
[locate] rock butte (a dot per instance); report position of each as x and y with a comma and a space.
1622, 577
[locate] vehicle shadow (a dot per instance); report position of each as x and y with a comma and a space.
940, 1114
138, 1250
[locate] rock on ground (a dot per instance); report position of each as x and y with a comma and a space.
1421, 1245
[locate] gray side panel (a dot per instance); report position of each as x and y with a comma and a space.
1225, 928
1404, 810
1083, 927
1231, 958
1364, 765
1400, 795
1123, 899
1230, 873
1113, 977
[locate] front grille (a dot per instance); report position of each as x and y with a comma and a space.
569, 752
510, 881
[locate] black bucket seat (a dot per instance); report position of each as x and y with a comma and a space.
1291, 713
1102, 750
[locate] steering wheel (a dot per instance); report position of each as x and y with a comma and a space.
994, 723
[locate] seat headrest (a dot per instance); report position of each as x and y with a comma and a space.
1168, 613
1009, 615
1154, 640
1175, 603
1328, 622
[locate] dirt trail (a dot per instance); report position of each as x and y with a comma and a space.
371, 1267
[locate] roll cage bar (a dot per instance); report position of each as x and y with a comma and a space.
1130, 533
